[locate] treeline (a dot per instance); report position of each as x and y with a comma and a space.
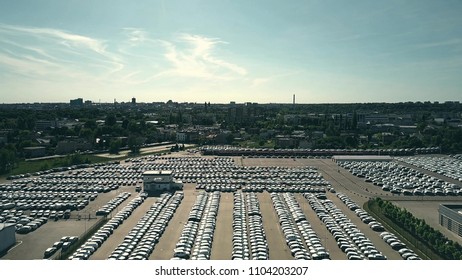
317, 126
7, 159
435, 240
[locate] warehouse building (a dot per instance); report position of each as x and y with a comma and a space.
156, 181
451, 217
7, 236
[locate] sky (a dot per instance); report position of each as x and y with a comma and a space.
265, 51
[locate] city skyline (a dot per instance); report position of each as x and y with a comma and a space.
222, 51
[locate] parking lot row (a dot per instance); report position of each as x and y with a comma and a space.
259, 249
400, 180
140, 242
349, 238
241, 249
196, 239
112, 204
389, 238
203, 244
103, 233
448, 166
303, 242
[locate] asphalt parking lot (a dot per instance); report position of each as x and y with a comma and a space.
32, 245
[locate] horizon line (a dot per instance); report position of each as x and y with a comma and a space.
229, 103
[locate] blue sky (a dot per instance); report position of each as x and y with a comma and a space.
323, 51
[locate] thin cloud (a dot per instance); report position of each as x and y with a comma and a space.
69, 39
136, 36
198, 60
23, 66
138, 59
53, 52
230, 66
456, 42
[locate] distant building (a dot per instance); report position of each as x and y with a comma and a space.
76, 102
224, 137
317, 134
305, 144
7, 236
286, 142
45, 141
439, 120
292, 119
71, 146
388, 138
454, 122
408, 129
156, 181
450, 217
187, 136
133, 101
34, 152
88, 103
376, 118
44, 125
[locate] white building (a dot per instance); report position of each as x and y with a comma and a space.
7, 236
187, 136
156, 181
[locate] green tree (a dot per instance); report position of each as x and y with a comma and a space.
133, 127
351, 142
114, 146
111, 120
90, 124
134, 143
7, 160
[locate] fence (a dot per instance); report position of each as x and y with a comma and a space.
63, 255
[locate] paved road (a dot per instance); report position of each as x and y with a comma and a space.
428, 211
119, 234
164, 249
373, 236
323, 233
222, 245
278, 249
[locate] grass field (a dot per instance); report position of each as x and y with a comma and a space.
24, 167
31, 166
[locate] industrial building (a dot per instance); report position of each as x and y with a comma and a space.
156, 181
7, 236
451, 217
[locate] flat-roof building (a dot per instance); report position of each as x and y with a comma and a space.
155, 181
451, 217
76, 102
34, 152
7, 236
